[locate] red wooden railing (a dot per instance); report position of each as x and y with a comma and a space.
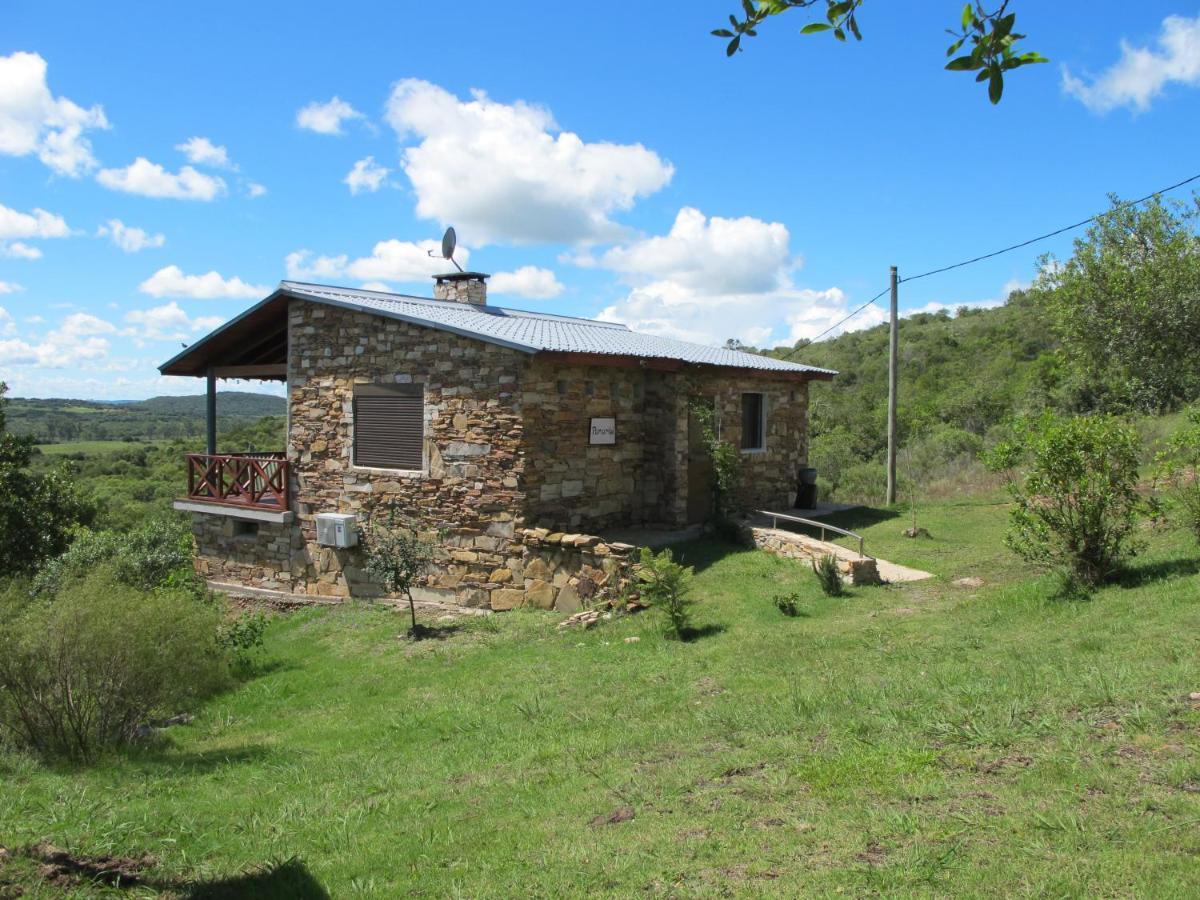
258, 480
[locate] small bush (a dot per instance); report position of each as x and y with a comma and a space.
665, 585
79, 675
1074, 483
789, 605
242, 635
829, 575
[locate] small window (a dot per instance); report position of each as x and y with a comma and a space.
754, 420
389, 426
242, 528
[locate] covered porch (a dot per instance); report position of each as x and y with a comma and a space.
250, 484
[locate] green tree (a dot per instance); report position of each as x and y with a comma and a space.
1074, 486
1127, 304
988, 37
37, 512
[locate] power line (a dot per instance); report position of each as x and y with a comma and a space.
994, 253
1042, 237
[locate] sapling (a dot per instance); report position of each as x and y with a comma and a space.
397, 557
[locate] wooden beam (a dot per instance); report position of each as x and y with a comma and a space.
270, 370
210, 411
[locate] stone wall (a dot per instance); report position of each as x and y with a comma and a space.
859, 569
272, 557
538, 568
470, 488
569, 482
769, 476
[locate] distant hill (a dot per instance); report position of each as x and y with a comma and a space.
961, 377
55, 421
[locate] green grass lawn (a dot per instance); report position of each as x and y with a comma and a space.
926, 739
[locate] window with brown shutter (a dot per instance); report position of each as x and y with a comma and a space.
389, 426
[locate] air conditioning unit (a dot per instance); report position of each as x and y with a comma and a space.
337, 530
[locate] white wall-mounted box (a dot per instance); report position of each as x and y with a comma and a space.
337, 530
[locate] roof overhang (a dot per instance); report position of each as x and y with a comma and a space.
254, 345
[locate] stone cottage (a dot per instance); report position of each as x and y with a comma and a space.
519, 438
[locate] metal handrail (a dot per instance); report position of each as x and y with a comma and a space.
824, 526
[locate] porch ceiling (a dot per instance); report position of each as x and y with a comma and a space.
252, 345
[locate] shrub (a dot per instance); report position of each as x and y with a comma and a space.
665, 585
1074, 484
726, 471
789, 605
156, 553
829, 575
81, 674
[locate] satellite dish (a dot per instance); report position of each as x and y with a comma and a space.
449, 242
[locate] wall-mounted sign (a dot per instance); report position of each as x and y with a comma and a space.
603, 431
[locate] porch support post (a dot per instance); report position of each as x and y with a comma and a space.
210, 412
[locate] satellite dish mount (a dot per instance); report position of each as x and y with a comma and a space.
449, 242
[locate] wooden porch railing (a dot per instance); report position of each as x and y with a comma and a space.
258, 480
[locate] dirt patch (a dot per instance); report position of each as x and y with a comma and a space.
873, 855
708, 687
741, 771
1005, 762
618, 815
64, 870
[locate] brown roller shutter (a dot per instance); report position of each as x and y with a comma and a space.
389, 425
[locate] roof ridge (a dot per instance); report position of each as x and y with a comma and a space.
433, 301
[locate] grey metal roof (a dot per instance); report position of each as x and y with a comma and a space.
535, 331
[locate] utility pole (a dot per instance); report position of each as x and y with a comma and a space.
893, 343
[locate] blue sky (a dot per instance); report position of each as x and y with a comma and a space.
162, 166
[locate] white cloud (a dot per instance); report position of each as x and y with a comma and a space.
762, 320
19, 250
203, 152
367, 175
710, 256
507, 172
169, 323
7, 325
255, 190
77, 340
32, 120
149, 179
170, 281
1142, 73
128, 238
527, 281
377, 286
708, 280
326, 118
390, 260
10, 287
36, 224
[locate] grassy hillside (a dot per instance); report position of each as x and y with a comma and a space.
53, 421
961, 377
927, 739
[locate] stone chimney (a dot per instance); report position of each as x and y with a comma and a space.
461, 287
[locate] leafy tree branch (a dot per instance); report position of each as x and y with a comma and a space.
988, 37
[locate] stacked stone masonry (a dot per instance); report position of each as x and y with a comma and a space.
509, 481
